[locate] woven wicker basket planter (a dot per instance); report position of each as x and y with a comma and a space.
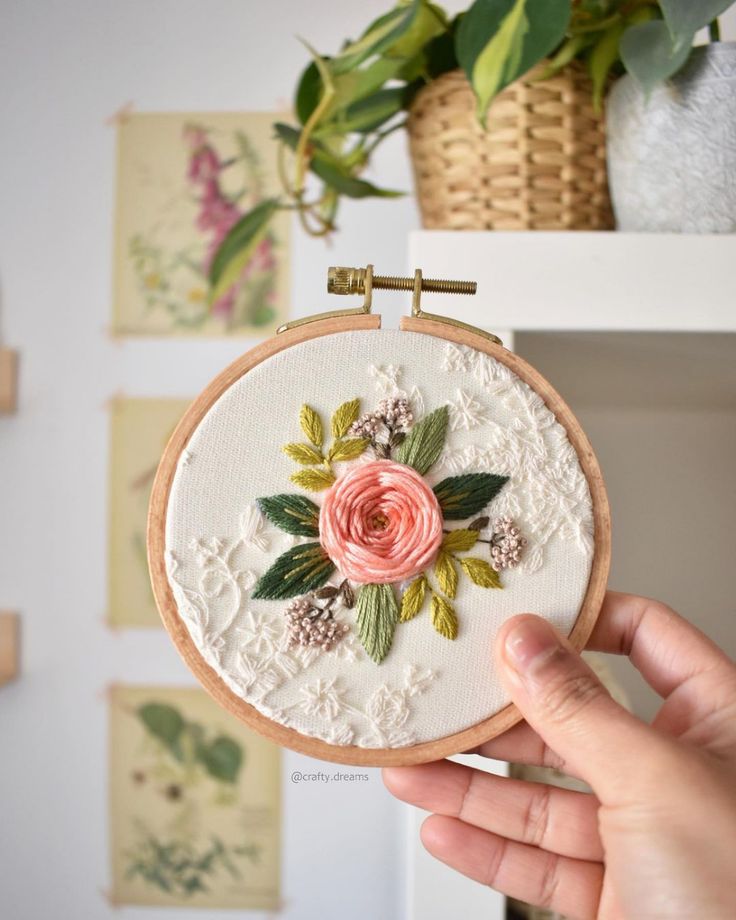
541, 165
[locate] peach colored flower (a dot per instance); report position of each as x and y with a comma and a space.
380, 523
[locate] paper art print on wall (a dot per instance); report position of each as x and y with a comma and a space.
139, 430
184, 181
345, 518
195, 803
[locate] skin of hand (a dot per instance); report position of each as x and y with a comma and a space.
657, 836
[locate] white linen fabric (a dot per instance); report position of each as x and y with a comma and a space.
218, 543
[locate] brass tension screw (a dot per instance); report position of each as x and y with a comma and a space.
353, 281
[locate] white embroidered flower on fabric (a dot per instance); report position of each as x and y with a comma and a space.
466, 412
252, 527
322, 698
386, 377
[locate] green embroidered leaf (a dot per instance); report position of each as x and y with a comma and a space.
311, 425
460, 541
481, 572
444, 619
446, 573
412, 600
314, 480
303, 453
294, 514
425, 441
343, 417
348, 449
462, 496
377, 617
300, 569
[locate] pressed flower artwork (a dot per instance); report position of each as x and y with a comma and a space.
355, 518
381, 526
184, 182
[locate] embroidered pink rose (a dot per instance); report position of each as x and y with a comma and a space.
380, 523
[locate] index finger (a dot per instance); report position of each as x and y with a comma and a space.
664, 647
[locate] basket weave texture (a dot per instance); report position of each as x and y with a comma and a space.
541, 165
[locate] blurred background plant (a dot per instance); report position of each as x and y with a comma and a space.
348, 103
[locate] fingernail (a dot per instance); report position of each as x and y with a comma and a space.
530, 643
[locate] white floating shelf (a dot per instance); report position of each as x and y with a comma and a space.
584, 281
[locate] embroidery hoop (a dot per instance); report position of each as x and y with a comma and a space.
305, 330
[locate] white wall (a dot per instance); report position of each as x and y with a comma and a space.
64, 68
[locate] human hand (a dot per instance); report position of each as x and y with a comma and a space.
657, 837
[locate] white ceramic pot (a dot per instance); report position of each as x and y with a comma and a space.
672, 159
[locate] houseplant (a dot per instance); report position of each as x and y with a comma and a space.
348, 103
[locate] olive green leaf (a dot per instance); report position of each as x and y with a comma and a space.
446, 573
343, 417
348, 449
604, 55
444, 619
465, 495
412, 600
294, 514
313, 480
236, 250
303, 453
425, 441
480, 572
377, 616
311, 425
300, 569
460, 541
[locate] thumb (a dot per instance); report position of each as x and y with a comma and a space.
566, 704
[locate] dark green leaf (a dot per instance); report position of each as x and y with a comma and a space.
237, 248
165, 723
649, 54
367, 114
299, 570
294, 514
425, 441
377, 616
331, 171
499, 40
308, 92
465, 495
346, 184
379, 36
221, 758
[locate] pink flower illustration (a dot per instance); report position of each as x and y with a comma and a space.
380, 523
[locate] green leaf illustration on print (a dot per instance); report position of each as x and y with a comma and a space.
378, 614
294, 514
166, 724
423, 445
222, 758
300, 569
462, 496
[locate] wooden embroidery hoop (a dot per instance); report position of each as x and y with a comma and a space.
302, 331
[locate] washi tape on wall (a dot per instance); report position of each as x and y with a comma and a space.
347, 514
